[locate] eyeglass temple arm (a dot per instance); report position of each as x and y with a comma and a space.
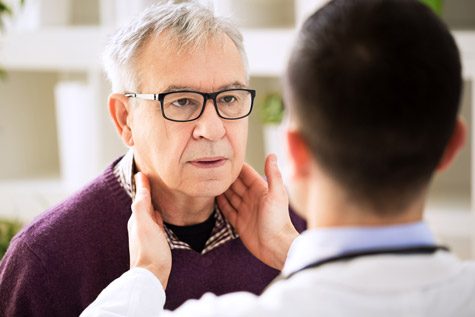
142, 96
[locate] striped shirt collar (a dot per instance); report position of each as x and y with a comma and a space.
222, 231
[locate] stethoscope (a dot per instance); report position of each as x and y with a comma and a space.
424, 249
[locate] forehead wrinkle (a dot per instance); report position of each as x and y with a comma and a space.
166, 43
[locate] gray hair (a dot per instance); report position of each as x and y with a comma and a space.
191, 23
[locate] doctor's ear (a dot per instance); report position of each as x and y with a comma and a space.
299, 154
119, 112
455, 144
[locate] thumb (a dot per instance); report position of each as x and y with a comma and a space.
142, 204
274, 177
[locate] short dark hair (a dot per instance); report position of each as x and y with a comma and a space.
376, 88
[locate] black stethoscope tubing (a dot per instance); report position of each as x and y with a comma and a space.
423, 249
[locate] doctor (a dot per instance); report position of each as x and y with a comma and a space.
373, 88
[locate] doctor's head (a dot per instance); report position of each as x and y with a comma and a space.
181, 97
374, 89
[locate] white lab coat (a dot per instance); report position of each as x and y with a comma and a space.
380, 285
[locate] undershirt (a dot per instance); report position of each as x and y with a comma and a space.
195, 235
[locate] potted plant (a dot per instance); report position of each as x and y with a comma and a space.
271, 112
5, 11
8, 229
272, 109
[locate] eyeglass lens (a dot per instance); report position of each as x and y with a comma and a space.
183, 106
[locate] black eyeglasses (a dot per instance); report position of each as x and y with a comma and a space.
188, 105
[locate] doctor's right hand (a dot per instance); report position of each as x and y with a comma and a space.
259, 211
148, 245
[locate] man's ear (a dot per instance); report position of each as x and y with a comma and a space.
299, 154
119, 112
454, 145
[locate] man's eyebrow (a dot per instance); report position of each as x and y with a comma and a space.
177, 88
235, 84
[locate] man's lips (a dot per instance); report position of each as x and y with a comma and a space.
209, 162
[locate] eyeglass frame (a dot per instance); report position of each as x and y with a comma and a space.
207, 96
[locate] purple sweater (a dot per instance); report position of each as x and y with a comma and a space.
60, 263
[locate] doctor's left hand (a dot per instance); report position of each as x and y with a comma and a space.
148, 246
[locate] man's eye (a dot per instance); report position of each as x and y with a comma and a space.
182, 102
228, 99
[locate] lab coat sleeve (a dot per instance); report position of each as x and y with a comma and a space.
136, 293
139, 293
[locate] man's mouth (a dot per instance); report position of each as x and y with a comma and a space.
209, 162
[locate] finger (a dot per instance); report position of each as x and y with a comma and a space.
228, 211
233, 199
274, 177
157, 217
131, 223
141, 182
249, 176
142, 187
142, 204
238, 187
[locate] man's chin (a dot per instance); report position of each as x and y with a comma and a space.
208, 188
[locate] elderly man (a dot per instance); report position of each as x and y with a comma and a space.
181, 106
374, 90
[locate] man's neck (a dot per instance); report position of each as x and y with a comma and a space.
180, 209
175, 207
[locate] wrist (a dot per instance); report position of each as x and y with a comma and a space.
160, 273
284, 243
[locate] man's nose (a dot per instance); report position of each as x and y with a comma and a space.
209, 125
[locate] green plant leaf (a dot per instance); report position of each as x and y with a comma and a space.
8, 229
435, 5
3, 74
272, 109
5, 9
